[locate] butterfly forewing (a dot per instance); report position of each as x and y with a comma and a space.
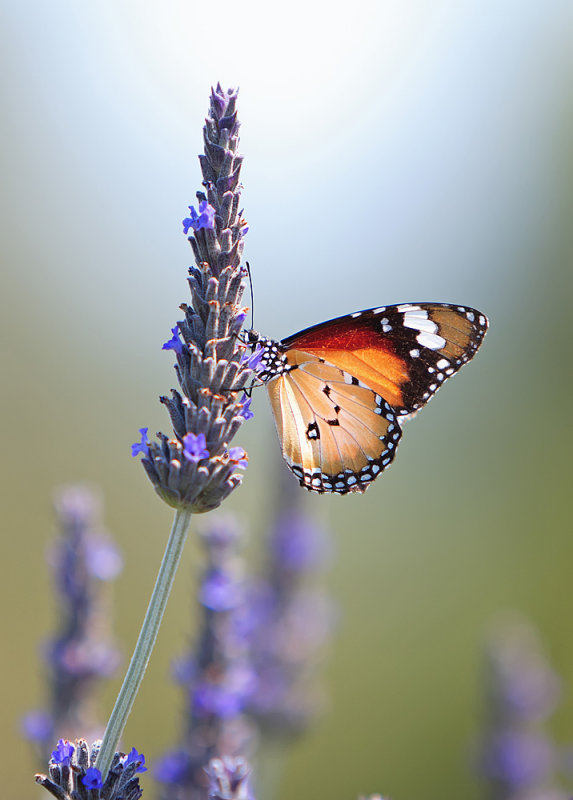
404, 352
337, 434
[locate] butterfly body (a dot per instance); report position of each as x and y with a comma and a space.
341, 390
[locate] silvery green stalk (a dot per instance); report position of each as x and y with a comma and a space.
195, 469
216, 675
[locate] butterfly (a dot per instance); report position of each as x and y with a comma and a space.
341, 390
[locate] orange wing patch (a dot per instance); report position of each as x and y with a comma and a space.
382, 371
337, 435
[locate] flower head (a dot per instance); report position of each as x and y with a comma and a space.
77, 775
193, 469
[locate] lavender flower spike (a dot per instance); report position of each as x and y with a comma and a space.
210, 366
72, 774
518, 757
196, 469
81, 653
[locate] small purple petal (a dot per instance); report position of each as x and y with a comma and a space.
92, 778
204, 219
142, 446
239, 455
253, 361
63, 752
132, 757
175, 342
195, 447
246, 412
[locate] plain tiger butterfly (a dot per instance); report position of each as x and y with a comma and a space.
341, 390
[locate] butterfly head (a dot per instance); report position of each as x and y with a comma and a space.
268, 356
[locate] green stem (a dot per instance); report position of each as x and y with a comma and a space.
145, 642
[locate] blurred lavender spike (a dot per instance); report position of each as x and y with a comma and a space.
82, 653
210, 366
518, 759
217, 676
73, 776
291, 621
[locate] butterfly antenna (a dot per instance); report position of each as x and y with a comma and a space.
252, 296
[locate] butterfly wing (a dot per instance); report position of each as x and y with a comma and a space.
337, 434
403, 353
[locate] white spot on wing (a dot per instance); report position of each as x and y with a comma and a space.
443, 363
418, 320
414, 353
408, 307
431, 340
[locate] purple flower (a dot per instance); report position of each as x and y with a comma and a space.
134, 757
239, 455
92, 778
63, 753
195, 447
204, 219
253, 361
246, 412
175, 342
142, 446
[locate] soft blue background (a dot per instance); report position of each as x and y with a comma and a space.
394, 151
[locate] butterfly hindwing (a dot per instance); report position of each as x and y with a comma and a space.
337, 434
403, 352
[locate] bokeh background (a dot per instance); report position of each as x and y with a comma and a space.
394, 151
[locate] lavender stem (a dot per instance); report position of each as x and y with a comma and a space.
145, 642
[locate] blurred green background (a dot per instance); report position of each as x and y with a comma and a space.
394, 151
